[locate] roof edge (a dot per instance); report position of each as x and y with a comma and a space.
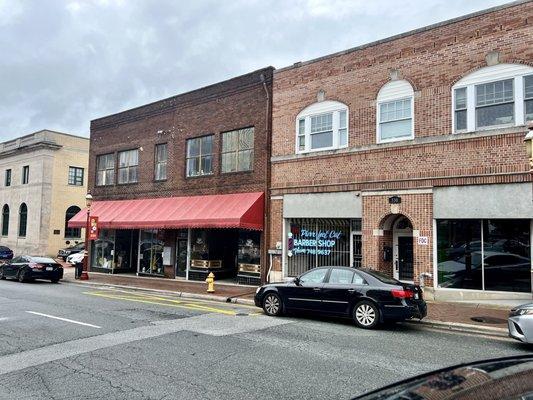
404, 34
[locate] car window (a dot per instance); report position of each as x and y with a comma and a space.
341, 276
16, 260
314, 276
4, 248
79, 246
358, 280
381, 276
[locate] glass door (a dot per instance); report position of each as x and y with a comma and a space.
181, 257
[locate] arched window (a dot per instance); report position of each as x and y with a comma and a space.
493, 97
395, 107
322, 126
72, 232
23, 220
5, 220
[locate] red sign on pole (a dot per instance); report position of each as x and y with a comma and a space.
93, 228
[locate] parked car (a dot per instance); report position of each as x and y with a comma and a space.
508, 378
367, 296
27, 268
520, 323
5, 253
75, 258
64, 253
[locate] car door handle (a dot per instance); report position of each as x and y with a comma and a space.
317, 289
351, 290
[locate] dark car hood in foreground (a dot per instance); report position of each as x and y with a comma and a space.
509, 378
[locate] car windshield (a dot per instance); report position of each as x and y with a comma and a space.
381, 276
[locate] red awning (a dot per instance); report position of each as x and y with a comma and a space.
239, 210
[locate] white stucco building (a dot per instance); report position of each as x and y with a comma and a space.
43, 182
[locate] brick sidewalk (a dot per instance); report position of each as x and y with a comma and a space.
461, 313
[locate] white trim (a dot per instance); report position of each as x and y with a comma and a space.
187, 267
434, 258
396, 192
323, 107
284, 248
394, 91
487, 75
276, 197
396, 233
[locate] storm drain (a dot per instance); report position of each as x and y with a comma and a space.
489, 320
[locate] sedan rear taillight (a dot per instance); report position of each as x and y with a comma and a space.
36, 266
402, 294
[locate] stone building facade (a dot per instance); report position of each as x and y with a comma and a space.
408, 154
43, 184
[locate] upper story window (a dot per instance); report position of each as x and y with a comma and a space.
322, 126
105, 169
238, 150
395, 104
25, 174
493, 97
200, 156
75, 176
161, 156
7, 180
128, 165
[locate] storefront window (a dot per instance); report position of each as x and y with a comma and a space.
316, 243
249, 252
507, 257
103, 250
151, 252
501, 261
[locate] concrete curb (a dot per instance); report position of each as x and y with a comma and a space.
464, 328
185, 295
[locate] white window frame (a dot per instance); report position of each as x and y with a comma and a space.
495, 73
321, 108
395, 91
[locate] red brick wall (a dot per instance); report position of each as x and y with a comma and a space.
237, 103
432, 60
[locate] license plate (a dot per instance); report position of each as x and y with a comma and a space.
416, 296
49, 268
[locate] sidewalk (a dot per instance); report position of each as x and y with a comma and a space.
478, 318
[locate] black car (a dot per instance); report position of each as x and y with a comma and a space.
27, 268
64, 253
367, 296
508, 378
5, 253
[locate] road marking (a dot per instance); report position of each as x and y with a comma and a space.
162, 301
206, 324
64, 319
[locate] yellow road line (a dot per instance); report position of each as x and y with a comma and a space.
146, 300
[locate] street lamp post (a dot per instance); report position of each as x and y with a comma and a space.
529, 148
88, 201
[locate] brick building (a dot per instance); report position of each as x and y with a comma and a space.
179, 185
407, 155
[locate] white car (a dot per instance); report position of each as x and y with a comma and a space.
521, 323
75, 258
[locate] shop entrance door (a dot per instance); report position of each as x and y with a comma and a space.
181, 257
405, 258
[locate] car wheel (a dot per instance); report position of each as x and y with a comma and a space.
272, 304
2, 276
22, 276
366, 315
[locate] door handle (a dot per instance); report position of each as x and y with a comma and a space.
317, 289
351, 290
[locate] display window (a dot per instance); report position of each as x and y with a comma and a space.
103, 250
151, 251
316, 243
491, 254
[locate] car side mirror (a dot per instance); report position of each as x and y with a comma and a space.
296, 281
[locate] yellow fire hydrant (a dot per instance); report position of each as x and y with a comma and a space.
210, 283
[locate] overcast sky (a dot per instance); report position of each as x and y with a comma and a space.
63, 63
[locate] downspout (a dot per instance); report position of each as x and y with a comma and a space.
266, 230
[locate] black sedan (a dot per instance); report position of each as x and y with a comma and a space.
367, 296
64, 253
28, 268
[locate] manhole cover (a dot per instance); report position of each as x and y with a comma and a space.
489, 320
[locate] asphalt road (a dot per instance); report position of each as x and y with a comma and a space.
68, 341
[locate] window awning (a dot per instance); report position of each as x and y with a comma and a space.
239, 210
